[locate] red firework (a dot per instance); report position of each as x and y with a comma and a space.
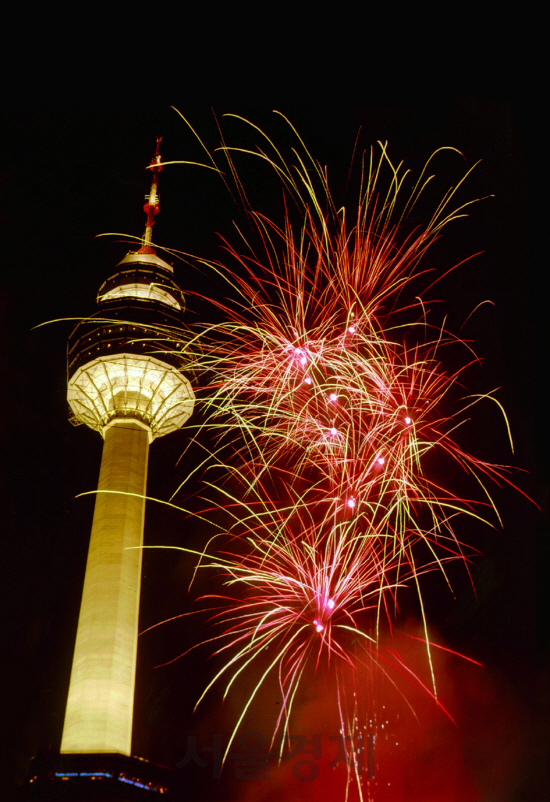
329, 392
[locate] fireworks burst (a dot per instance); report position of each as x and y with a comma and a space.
327, 393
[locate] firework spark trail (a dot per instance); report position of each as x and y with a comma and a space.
326, 391
308, 372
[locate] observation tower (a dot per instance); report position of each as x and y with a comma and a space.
125, 381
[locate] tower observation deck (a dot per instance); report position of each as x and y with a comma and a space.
125, 381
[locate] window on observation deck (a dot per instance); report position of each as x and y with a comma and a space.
149, 292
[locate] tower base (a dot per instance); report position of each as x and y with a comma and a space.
107, 777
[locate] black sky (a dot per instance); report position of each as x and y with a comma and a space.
69, 173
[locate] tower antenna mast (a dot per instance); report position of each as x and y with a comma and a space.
152, 206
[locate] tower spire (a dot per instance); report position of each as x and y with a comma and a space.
152, 206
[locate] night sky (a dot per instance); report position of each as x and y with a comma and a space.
70, 173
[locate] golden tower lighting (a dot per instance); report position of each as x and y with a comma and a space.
119, 388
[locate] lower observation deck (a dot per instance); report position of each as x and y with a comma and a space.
131, 386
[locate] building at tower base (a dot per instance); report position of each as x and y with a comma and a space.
107, 777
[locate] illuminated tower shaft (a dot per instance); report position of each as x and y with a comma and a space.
131, 397
101, 692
